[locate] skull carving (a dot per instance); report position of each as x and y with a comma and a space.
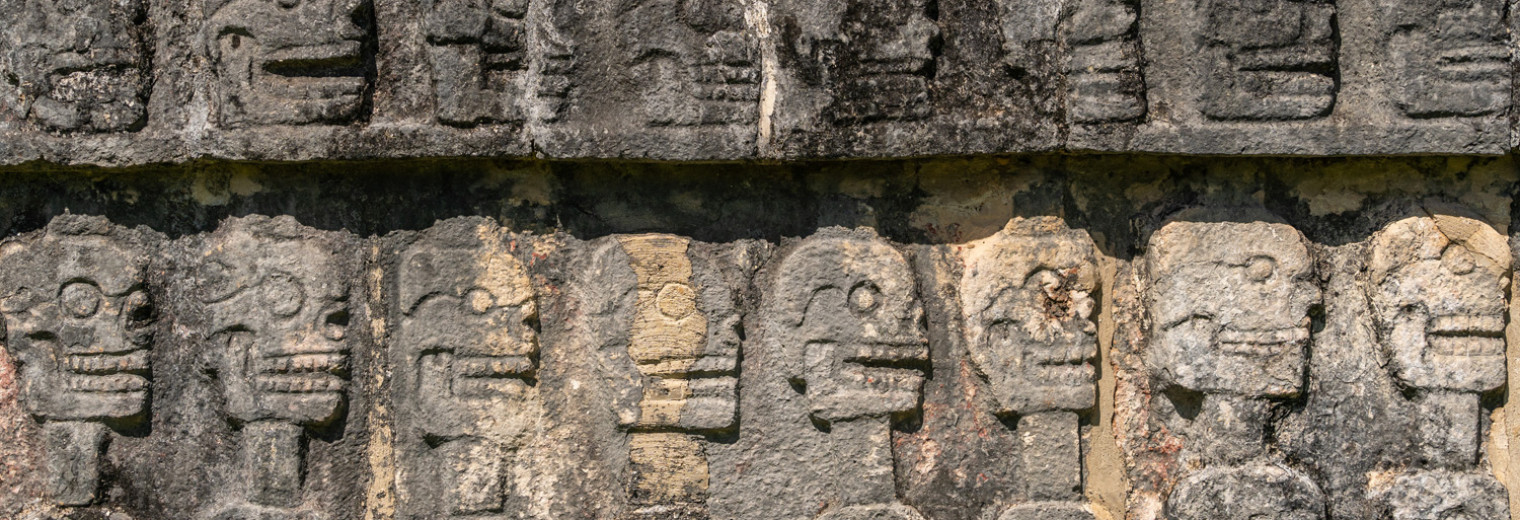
1230, 306
1452, 57
470, 328
278, 303
465, 359
684, 340
852, 326
1439, 293
288, 62
77, 317
77, 65
1027, 299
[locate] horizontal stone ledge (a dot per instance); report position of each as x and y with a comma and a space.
165, 81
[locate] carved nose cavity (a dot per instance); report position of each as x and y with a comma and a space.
288, 4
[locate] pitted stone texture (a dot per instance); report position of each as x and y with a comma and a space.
1046, 511
465, 359
684, 342
139, 83
1229, 304
79, 318
1438, 286
1439, 494
1320, 77
278, 301
1027, 296
1260, 490
848, 304
75, 66
910, 77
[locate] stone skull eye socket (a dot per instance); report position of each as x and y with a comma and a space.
282, 295
865, 298
676, 301
479, 300
81, 299
1260, 268
1458, 260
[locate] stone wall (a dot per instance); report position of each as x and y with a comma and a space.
138, 82
996, 338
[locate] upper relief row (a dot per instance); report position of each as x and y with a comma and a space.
137, 81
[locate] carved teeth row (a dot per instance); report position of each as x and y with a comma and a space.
489, 366
1068, 372
299, 384
136, 361
1466, 346
306, 363
876, 353
1255, 349
1466, 325
113, 383
1266, 338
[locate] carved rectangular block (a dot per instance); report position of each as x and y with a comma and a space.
464, 356
913, 77
290, 62
75, 67
649, 78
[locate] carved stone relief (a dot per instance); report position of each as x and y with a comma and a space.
1451, 57
1027, 302
277, 299
1229, 306
699, 67
1438, 288
672, 363
1103, 61
479, 54
874, 58
76, 66
850, 327
79, 321
465, 359
1269, 59
288, 62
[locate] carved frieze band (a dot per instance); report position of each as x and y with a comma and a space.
701, 349
731, 79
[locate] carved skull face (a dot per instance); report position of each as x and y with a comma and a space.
685, 340
1439, 296
287, 62
79, 326
79, 65
853, 326
1027, 299
470, 335
1452, 57
1270, 59
279, 318
1230, 306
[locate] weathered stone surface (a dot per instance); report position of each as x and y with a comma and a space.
139, 83
1055, 337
